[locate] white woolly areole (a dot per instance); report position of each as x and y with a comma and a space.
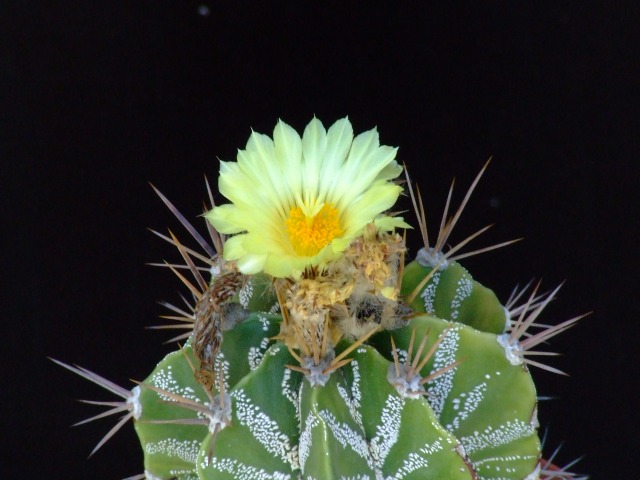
411, 388
150, 476
507, 319
461, 451
134, 401
215, 270
316, 376
512, 349
428, 257
220, 413
217, 267
535, 475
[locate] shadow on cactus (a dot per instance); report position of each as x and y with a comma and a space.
313, 348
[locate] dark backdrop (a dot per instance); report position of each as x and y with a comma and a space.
100, 98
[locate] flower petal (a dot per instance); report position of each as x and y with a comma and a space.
339, 138
369, 205
252, 263
389, 224
233, 248
225, 219
288, 155
272, 177
314, 144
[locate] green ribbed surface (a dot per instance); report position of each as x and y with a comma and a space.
453, 294
479, 417
487, 403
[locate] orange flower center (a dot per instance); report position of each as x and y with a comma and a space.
309, 235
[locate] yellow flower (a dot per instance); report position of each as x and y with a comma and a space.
299, 202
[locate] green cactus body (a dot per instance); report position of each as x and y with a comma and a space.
486, 402
314, 353
257, 294
262, 441
404, 436
172, 448
451, 293
355, 426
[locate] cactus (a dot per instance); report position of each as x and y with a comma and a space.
314, 349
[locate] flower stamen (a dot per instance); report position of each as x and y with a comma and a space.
309, 235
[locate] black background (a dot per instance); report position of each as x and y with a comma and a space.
98, 99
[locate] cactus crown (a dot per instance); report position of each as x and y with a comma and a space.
315, 349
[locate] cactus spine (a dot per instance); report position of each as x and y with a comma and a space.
358, 365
